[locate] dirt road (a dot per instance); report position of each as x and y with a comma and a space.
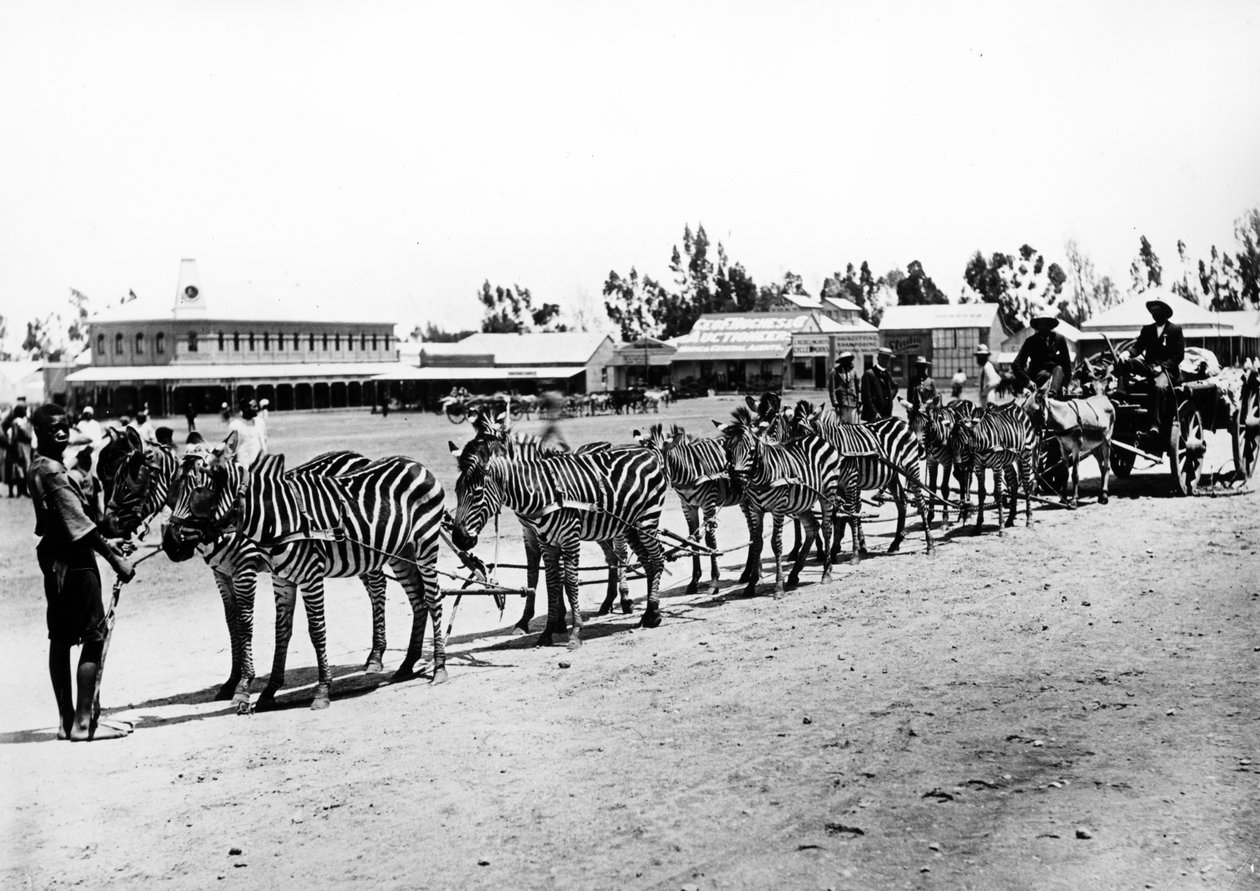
1068, 706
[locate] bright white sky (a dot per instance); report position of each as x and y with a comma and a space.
387, 157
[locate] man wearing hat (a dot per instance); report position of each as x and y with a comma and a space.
878, 389
1044, 356
250, 443
844, 389
989, 377
1159, 349
924, 387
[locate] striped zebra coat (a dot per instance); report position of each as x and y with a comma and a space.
1002, 440
388, 514
945, 446
595, 495
887, 457
236, 562
494, 430
803, 479
696, 470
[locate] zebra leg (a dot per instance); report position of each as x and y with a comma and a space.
286, 600
647, 547
980, 494
374, 582
419, 580
533, 557
244, 583
555, 586
570, 554
615, 553
313, 601
915, 488
228, 593
899, 498
752, 563
710, 541
932, 468
810, 526
426, 556
691, 512
776, 545
998, 476
796, 540
1026, 471
855, 508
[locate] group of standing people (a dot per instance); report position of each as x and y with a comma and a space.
872, 396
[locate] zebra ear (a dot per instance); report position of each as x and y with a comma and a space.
227, 452
637, 435
454, 448
716, 423
752, 404
132, 435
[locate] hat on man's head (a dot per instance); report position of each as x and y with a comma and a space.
922, 361
982, 350
885, 351
845, 355
88, 411
1157, 306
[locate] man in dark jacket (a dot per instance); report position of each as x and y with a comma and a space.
1159, 349
923, 390
844, 389
878, 389
1042, 355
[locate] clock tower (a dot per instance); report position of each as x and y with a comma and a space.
190, 302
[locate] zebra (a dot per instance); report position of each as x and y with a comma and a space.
1002, 439
493, 428
946, 448
696, 470
235, 562
883, 451
596, 495
801, 479
139, 481
388, 513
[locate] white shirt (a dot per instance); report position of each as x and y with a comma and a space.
249, 442
989, 379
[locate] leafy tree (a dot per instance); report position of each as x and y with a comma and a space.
859, 286
1221, 282
636, 305
733, 288
432, 333
5, 355
1015, 282
1247, 232
1145, 270
512, 311
917, 288
1087, 293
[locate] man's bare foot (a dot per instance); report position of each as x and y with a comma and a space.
99, 730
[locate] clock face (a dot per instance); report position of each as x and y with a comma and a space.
190, 294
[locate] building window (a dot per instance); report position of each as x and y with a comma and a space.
140, 344
266, 340
295, 341
373, 342
118, 344
310, 342
387, 343
363, 341
336, 342
325, 341
100, 344
236, 341
192, 341
220, 341
159, 342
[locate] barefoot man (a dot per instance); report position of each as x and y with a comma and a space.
68, 545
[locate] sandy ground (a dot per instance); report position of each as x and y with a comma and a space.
1069, 706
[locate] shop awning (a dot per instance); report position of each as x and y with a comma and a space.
507, 372
116, 374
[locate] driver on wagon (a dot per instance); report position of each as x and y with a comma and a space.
1159, 349
1044, 356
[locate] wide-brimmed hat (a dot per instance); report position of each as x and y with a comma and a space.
845, 355
921, 361
1152, 304
87, 410
885, 351
982, 350
1044, 322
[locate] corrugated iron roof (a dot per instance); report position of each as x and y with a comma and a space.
939, 315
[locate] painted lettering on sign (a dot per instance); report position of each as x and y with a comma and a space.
902, 344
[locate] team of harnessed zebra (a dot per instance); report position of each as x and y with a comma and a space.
342, 514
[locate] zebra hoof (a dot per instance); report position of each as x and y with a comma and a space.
322, 698
439, 677
627, 606
651, 619
826, 577
1103, 499
520, 630
792, 582
546, 640
374, 665
266, 702
604, 609
575, 642
228, 690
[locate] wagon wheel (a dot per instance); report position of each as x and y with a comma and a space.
456, 413
1121, 461
1052, 469
1245, 431
1186, 448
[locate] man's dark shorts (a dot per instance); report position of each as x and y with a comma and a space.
72, 587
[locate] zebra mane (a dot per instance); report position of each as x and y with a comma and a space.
487, 425
473, 457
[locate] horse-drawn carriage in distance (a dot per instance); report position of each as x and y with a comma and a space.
460, 403
1207, 399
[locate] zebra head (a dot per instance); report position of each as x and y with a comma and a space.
141, 482
938, 423
741, 439
119, 445
203, 500
477, 493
